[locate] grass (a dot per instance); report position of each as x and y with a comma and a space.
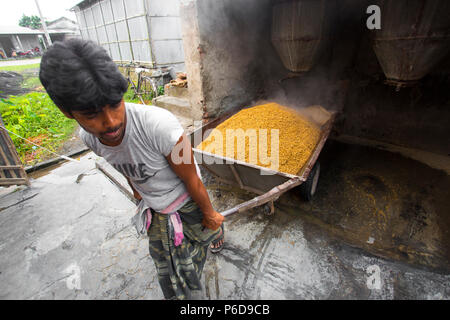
130, 96
35, 117
31, 83
20, 68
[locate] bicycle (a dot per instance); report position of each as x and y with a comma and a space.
146, 85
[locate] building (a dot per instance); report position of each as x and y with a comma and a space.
62, 28
147, 32
15, 38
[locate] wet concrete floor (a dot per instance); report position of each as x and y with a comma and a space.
380, 201
68, 236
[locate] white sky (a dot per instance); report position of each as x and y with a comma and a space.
11, 10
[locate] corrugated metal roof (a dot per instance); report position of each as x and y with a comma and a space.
83, 4
22, 30
62, 31
60, 19
18, 30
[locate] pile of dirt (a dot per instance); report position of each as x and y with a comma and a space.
11, 84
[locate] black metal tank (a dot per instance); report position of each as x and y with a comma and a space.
414, 37
298, 27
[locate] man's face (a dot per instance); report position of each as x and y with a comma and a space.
108, 124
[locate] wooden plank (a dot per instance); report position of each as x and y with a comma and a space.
7, 162
271, 195
6, 139
127, 193
10, 181
11, 167
18, 171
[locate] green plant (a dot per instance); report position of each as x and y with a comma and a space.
35, 117
160, 90
130, 96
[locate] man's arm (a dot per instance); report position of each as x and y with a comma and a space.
187, 172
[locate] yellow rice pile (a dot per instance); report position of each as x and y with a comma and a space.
297, 136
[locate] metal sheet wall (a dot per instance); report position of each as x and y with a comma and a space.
145, 31
165, 32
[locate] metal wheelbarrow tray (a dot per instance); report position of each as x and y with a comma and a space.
268, 186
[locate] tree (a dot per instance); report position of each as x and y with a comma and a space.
25, 21
36, 22
33, 22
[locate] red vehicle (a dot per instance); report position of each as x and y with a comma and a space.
28, 53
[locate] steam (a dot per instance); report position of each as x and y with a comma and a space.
242, 68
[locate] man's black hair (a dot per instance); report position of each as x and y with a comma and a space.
80, 75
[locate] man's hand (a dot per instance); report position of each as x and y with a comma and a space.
181, 160
213, 221
136, 195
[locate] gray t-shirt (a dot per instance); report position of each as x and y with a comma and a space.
150, 135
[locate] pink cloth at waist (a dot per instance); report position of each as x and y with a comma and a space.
174, 218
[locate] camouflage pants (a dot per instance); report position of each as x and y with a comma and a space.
180, 268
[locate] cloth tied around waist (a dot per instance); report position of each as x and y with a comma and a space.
143, 219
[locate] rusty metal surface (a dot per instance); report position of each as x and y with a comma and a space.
326, 129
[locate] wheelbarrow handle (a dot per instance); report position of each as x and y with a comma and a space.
270, 195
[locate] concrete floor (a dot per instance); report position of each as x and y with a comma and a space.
61, 239
19, 62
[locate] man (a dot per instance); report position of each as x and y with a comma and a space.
144, 143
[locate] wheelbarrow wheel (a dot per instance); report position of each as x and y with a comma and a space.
269, 208
308, 188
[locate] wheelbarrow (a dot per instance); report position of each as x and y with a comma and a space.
268, 184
